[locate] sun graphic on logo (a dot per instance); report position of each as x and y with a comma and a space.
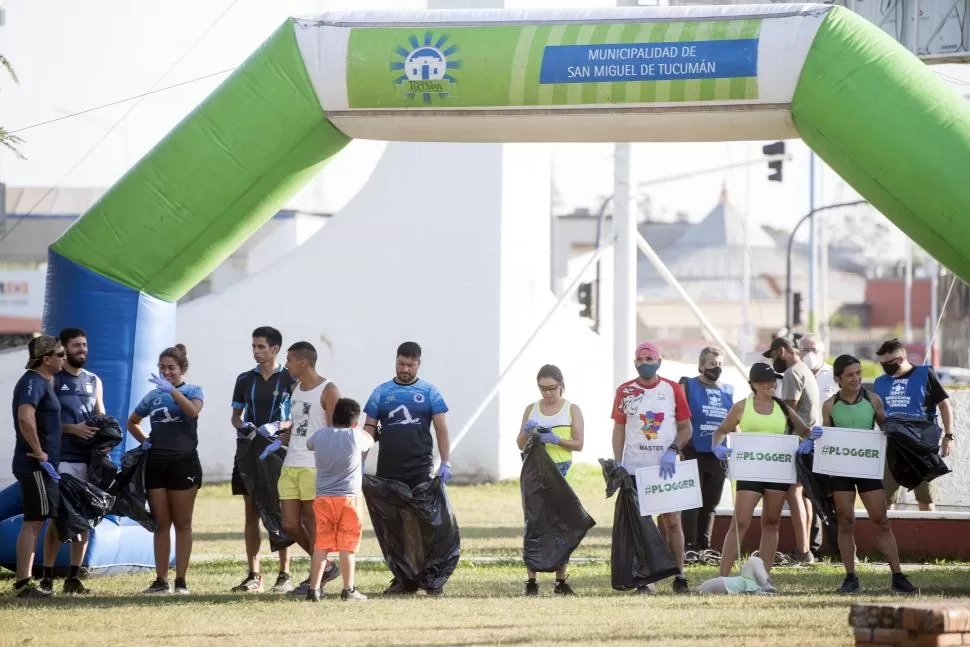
424, 68
651, 424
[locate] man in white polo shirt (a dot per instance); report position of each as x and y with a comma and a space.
651, 424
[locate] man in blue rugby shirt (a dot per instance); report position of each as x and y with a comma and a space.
709, 403
400, 413
37, 426
261, 396
81, 395
914, 391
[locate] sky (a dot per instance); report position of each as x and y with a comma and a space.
72, 55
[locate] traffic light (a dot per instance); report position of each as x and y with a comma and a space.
778, 148
796, 308
585, 295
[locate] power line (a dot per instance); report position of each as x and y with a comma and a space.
120, 101
153, 87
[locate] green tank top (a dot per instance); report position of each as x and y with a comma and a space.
753, 422
858, 415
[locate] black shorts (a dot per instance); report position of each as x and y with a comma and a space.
40, 495
850, 484
173, 472
761, 486
238, 486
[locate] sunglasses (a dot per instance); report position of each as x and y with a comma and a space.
61, 354
549, 389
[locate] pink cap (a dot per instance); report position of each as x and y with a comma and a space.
648, 347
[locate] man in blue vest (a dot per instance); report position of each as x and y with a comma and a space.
709, 403
915, 391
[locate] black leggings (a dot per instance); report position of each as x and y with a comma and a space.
699, 521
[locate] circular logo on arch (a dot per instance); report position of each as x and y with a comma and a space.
425, 67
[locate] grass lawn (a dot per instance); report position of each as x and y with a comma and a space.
483, 602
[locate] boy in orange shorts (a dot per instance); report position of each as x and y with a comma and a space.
339, 451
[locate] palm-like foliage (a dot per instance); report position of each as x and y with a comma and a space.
8, 139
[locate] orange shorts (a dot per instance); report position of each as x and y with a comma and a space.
338, 523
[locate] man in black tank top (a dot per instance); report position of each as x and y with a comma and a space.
81, 395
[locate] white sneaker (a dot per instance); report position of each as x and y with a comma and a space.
352, 594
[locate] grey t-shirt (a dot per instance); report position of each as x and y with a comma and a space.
337, 452
798, 384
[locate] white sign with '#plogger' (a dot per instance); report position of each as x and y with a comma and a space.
682, 491
762, 457
856, 453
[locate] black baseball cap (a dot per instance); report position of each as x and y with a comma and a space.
777, 344
762, 372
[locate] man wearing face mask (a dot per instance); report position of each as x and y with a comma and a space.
812, 351
651, 424
799, 391
914, 391
709, 402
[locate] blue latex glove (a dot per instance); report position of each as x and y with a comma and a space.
530, 425
805, 446
444, 473
816, 433
269, 429
272, 447
549, 437
47, 467
668, 464
161, 383
146, 444
721, 452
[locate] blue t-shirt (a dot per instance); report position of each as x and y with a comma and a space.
917, 393
34, 389
172, 432
404, 413
709, 406
78, 397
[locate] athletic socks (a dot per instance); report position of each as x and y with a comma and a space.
48, 572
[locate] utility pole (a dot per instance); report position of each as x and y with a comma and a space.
812, 242
624, 256
908, 292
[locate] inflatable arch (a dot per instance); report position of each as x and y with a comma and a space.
868, 107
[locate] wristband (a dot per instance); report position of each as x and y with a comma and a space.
948, 437
674, 447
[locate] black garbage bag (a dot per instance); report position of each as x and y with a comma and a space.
816, 488
131, 497
82, 507
555, 520
261, 479
416, 529
108, 435
639, 555
913, 450
101, 470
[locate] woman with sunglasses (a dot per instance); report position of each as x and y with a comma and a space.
560, 425
762, 413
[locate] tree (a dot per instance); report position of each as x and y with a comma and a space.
8, 139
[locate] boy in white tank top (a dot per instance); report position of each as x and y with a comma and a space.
312, 406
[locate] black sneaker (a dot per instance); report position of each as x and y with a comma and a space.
181, 588
252, 584
74, 586
396, 588
158, 587
680, 585
901, 584
31, 590
46, 584
532, 588
562, 588
330, 572
647, 589
301, 589
312, 595
850, 584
